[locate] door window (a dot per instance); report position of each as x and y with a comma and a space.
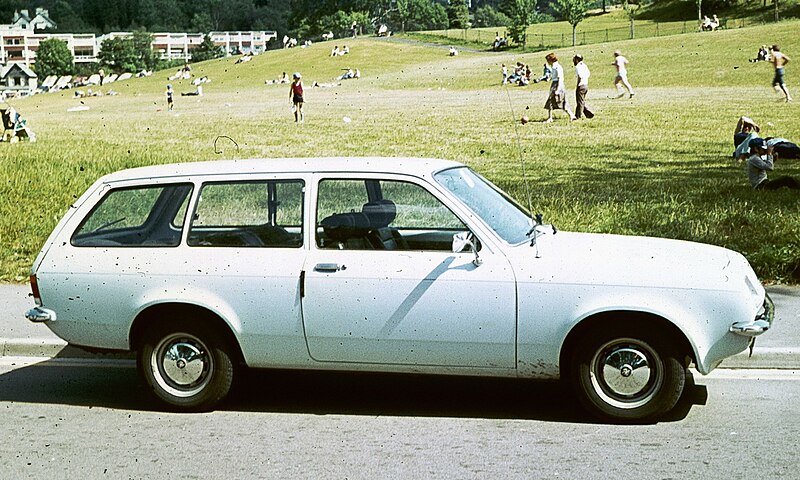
249, 214
382, 215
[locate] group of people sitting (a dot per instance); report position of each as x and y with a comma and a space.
499, 42
350, 74
522, 74
760, 155
763, 55
337, 52
289, 42
709, 25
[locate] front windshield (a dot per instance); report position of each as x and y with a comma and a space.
503, 215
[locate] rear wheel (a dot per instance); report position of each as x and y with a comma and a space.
627, 375
185, 366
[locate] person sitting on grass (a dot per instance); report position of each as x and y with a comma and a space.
547, 72
762, 55
761, 161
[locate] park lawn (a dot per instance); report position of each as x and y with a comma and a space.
658, 164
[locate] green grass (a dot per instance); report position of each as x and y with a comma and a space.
656, 165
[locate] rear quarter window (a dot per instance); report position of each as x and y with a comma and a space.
138, 216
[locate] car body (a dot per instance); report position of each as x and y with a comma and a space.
381, 264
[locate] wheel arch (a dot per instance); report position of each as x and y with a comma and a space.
654, 323
165, 311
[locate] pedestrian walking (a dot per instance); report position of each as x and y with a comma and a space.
779, 61
170, 93
296, 94
558, 96
621, 79
582, 74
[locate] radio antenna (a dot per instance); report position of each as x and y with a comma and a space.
519, 152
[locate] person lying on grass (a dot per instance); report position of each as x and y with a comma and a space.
747, 130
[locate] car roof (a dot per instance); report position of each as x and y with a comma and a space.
420, 167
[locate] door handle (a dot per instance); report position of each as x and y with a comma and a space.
328, 267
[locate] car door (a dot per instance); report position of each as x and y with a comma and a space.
383, 286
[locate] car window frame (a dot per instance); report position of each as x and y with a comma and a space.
430, 187
108, 189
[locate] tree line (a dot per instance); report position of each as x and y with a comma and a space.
307, 19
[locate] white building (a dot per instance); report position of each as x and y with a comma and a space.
40, 21
17, 80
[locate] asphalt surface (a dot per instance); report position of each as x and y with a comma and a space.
779, 348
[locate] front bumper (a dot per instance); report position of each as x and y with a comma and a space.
758, 325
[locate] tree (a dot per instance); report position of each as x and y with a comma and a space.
520, 13
573, 11
143, 48
128, 54
631, 6
487, 16
118, 55
207, 50
458, 14
417, 15
54, 58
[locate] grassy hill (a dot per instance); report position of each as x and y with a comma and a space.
658, 164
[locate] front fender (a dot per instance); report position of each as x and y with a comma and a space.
548, 313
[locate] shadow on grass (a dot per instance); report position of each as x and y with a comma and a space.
115, 385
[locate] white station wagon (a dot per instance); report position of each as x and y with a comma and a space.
385, 265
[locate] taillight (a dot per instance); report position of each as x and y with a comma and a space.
35, 290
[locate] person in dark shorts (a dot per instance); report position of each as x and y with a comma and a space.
296, 94
779, 61
170, 93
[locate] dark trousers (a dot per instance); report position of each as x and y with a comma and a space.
580, 102
787, 150
780, 182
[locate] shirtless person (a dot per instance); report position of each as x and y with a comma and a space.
779, 60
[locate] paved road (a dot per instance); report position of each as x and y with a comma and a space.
64, 420
778, 348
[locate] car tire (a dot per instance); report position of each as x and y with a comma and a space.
627, 375
185, 365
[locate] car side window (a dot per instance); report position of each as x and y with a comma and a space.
382, 215
150, 216
249, 214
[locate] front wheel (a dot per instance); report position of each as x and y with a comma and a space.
185, 366
627, 376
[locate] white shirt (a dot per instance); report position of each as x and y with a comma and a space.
582, 73
558, 75
620, 63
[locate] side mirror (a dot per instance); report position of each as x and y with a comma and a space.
463, 239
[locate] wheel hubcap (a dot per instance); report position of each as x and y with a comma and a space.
626, 371
184, 363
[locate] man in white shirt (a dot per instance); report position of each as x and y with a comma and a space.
622, 74
582, 73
